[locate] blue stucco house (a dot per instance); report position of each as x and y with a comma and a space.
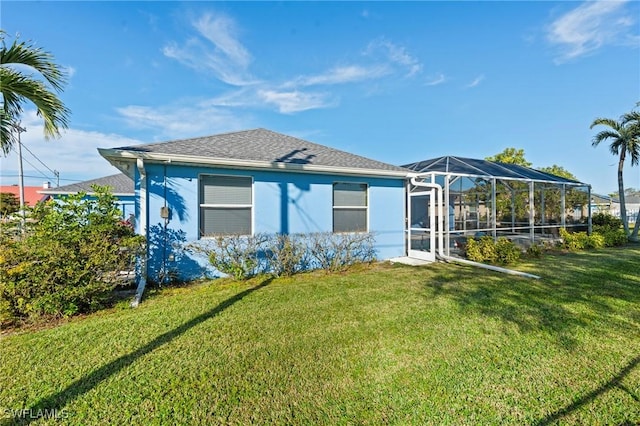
256, 181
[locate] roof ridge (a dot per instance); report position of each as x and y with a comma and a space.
195, 138
269, 147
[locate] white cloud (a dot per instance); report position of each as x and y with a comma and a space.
395, 54
436, 80
221, 31
296, 101
591, 26
475, 82
216, 49
74, 155
181, 121
341, 75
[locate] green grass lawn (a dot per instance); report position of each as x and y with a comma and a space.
440, 344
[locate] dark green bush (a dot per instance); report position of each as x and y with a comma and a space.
612, 236
68, 260
610, 227
606, 220
535, 250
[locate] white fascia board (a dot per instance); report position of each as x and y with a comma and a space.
113, 155
53, 192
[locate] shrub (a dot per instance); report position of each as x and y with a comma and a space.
595, 241
612, 236
69, 259
482, 250
287, 254
535, 250
489, 251
235, 255
573, 241
580, 240
606, 220
335, 252
243, 257
506, 251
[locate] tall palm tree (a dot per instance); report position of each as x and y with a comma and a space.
18, 61
625, 140
633, 120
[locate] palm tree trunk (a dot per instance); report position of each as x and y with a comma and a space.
623, 207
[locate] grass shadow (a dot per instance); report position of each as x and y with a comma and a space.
575, 290
585, 399
57, 401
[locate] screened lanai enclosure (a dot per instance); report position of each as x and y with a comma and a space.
452, 199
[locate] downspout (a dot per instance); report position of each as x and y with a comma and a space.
440, 231
563, 207
144, 214
532, 219
494, 210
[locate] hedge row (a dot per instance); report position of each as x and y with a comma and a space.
243, 257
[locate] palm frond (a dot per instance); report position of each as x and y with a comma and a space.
631, 117
16, 89
606, 122
604, 135
48, 105
24, 53
7, 135
634, 152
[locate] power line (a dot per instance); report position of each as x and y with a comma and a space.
38, 177
37, 169
55, 173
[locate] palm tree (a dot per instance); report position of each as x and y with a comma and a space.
625, 140
18, 84
633, 119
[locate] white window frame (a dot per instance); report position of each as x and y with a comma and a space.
365, 207
202, 205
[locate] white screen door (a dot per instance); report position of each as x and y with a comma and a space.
421, 223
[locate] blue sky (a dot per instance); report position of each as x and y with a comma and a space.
395, 81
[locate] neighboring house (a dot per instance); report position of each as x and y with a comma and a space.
607, 204
31, 193
604, 204
121, 187
633, 206
256, 181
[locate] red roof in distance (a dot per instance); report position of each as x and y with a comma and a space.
31, 196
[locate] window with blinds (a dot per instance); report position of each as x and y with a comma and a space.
226, 204
350, 205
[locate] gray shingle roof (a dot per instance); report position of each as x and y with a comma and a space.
264, 146
119, 183
469, 166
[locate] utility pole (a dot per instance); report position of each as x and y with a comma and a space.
23, 221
